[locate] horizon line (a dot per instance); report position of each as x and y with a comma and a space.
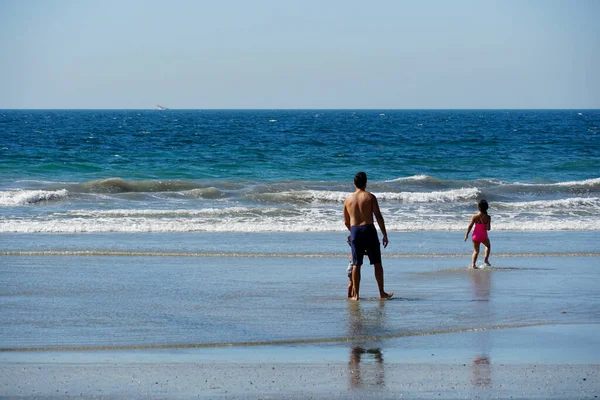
296, 109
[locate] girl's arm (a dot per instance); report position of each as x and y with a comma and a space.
470, 226
489, 224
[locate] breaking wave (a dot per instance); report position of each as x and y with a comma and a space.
117, 205
118, 185
27, 197
325, 196
576, 203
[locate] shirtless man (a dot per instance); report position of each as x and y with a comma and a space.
359, 209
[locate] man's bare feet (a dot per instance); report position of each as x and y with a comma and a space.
487, 263
354, 298
386, 296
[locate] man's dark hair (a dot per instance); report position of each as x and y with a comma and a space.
360, 180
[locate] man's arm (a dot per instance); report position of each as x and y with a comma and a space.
346, 215
380, 221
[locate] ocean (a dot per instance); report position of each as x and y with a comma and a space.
189, 229
136, 171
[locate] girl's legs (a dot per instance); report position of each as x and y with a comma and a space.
488, 248
476, 246
355, 281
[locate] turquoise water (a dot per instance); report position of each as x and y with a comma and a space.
290, 170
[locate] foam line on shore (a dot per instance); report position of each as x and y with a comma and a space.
273, 342
125, 253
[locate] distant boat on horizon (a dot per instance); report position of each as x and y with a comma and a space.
159, 107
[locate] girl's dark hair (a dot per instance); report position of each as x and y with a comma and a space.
483, 206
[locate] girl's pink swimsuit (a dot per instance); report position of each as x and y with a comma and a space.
480, 232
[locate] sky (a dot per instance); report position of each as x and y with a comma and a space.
309, 54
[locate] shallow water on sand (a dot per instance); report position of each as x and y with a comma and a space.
103, 301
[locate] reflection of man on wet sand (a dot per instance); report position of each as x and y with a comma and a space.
481, 372
365, 366
359, 209
372, 374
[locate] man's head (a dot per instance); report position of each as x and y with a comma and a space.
360, 180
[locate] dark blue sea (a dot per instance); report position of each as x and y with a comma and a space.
80, 171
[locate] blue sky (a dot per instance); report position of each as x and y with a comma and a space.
309, 54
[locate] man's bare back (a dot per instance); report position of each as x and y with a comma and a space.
359, 206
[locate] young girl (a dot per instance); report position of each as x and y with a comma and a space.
349, 273
483, 223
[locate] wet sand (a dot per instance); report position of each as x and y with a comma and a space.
536, 362
256, 325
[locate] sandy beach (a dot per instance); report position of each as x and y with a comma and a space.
80, 321
557, 365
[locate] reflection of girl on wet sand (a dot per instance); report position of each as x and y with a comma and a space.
482, 369
483, 223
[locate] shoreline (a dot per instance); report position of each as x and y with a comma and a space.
294, 244
327, 341
533, 362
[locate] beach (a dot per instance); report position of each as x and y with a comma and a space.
187, 315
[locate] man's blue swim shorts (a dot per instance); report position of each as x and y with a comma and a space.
364, 237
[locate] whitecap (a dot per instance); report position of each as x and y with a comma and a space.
564, 205
414, 178
26, 197
315, 196
431, 197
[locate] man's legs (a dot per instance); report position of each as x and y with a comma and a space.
379, 278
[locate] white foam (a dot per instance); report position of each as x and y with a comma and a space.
414, 178
273, 220
205, 193
574, 184
587, 182
431, 197
305, 196
115, 213
26, 197
312, 196
579, 203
